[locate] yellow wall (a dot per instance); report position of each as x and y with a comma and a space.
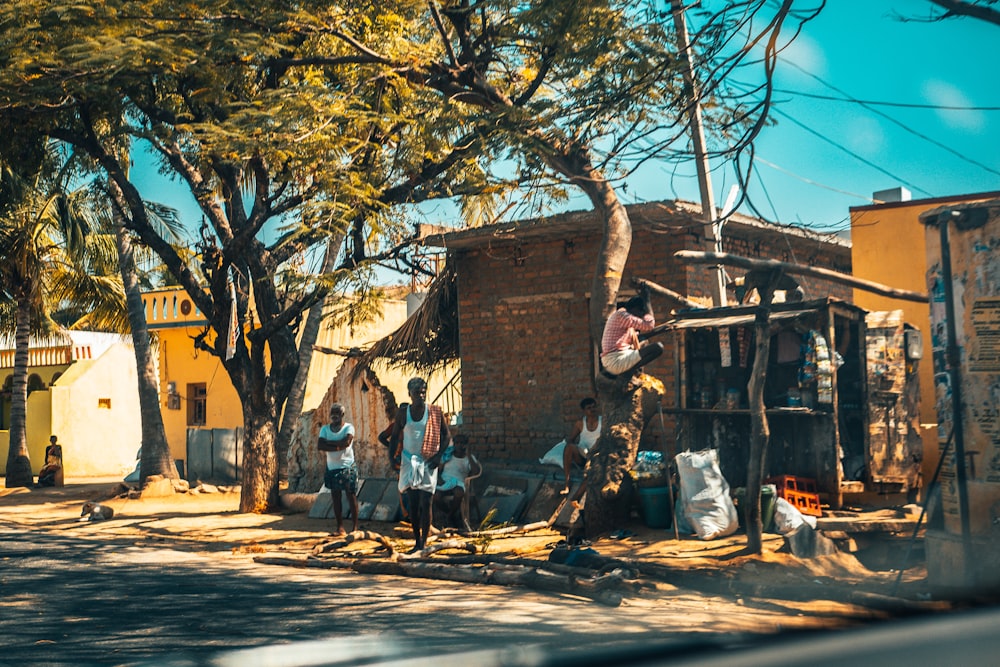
93, 408
95, 413
38, 427
324, 366
888, 247
38, 417
181, 363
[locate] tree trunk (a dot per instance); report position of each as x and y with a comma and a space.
259, 492
760, 432
296, 397
626, 410
155, 458
615, 242
18, 461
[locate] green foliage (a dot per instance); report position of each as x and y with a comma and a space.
50, 258
321, 120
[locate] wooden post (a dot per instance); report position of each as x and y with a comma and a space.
760, 432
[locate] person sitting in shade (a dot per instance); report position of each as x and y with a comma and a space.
621, 351
49, 474
337, 440
586, 433
457, 465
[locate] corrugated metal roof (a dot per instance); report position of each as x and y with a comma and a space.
731, 316
732, 320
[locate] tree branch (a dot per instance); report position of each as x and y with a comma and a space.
971, 9
697, 257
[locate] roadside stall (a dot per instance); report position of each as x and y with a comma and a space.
840, 394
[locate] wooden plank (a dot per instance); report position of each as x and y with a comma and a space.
698, 257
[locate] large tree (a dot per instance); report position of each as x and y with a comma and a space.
278, 157
581, 92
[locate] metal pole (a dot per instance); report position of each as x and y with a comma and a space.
708, 212
670, 478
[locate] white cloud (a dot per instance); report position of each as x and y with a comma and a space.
864, 136
805, 52
945, 94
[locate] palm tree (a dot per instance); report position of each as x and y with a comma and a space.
43, 240
155, 458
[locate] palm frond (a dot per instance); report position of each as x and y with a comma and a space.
428, 339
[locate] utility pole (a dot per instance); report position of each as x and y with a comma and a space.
708, 212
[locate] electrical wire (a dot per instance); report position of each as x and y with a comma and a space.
850, 152
873, 103
810, 181
889, 118
763, 187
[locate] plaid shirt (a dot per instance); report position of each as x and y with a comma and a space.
617, 331
432, 436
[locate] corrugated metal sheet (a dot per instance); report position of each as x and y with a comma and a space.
730, 320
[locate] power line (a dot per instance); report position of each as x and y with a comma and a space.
772, 165
905, 105
896, 122
767, 195
851, 153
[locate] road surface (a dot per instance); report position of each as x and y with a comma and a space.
73, 600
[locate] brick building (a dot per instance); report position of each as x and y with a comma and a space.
523, 290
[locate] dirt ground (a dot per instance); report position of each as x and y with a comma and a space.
210, 524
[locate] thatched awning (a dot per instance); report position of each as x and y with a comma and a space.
428, 339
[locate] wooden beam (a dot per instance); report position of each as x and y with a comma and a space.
698, 257
669, 293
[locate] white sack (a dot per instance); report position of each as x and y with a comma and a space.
705, 495
554, 457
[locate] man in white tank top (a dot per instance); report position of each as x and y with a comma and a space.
419, 433
586, 432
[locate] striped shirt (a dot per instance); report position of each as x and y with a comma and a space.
617, 334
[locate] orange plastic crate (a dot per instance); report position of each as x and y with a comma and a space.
799, 491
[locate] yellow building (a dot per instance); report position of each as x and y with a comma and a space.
195, 389
82, 388
888, 247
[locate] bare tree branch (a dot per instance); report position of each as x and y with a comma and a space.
966, 8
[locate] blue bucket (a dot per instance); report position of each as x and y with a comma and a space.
655, 505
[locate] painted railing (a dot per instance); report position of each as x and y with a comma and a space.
169, 307
450, 396
56, 355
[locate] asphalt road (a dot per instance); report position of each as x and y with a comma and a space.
69, 600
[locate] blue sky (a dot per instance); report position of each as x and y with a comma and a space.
864, 51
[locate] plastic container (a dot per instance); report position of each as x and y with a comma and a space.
799, 491
794, 397
654, 502
768, 497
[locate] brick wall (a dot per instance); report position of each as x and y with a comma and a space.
523, 305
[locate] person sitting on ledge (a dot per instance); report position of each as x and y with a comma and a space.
586, 433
